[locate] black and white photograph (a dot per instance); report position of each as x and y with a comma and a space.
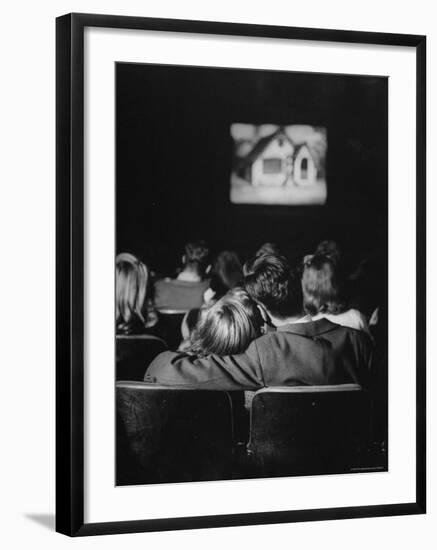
251, 274
218, 258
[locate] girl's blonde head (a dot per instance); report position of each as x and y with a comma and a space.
131, 282
228, 326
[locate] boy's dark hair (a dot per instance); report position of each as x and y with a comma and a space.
267, 248
197, 256
270, 281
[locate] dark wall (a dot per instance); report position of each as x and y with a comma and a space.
174, 155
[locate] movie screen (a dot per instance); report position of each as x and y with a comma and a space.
278, 164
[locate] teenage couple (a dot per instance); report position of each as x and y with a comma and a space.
260, 336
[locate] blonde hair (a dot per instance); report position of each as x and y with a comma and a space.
228, 326
131, 282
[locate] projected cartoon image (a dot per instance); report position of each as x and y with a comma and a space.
278, 164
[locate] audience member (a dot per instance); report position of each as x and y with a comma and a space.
327, 248
271, 282
226, 274
134, 313
267, 248
368, 283
330, 249
186, 291
228, 326
297, 353
324, 296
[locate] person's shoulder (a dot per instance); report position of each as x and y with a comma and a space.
355, 314
352, 318
182, 283
357, 335
266, 340
162, 361
164, 281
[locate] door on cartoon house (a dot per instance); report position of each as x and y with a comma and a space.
288, 162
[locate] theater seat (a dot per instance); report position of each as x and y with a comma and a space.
171, 321
308, 430
135, 353
169, 434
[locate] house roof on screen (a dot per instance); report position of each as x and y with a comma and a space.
301, 146
262, 144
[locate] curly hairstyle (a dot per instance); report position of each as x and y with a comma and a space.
322, 288
270, 281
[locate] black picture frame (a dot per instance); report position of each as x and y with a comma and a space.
70, 273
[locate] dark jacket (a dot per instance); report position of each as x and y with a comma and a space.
318, 352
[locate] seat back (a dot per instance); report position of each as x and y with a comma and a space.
171, 322
308, 430
135, 353
167, 434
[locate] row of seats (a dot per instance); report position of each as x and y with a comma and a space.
174, 434
135, 352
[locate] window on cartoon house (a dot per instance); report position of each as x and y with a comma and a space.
272, 166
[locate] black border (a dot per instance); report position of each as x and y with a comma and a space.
70, 277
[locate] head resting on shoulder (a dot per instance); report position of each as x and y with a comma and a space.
228, 326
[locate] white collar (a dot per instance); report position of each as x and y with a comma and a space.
189, 277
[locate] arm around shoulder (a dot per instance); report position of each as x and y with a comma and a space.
232, 372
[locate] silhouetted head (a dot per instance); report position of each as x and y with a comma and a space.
131, 283
226, 273
196, 257
268, 248
321, 286
270, 281
330, 249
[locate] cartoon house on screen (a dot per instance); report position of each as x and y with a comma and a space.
275, 160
